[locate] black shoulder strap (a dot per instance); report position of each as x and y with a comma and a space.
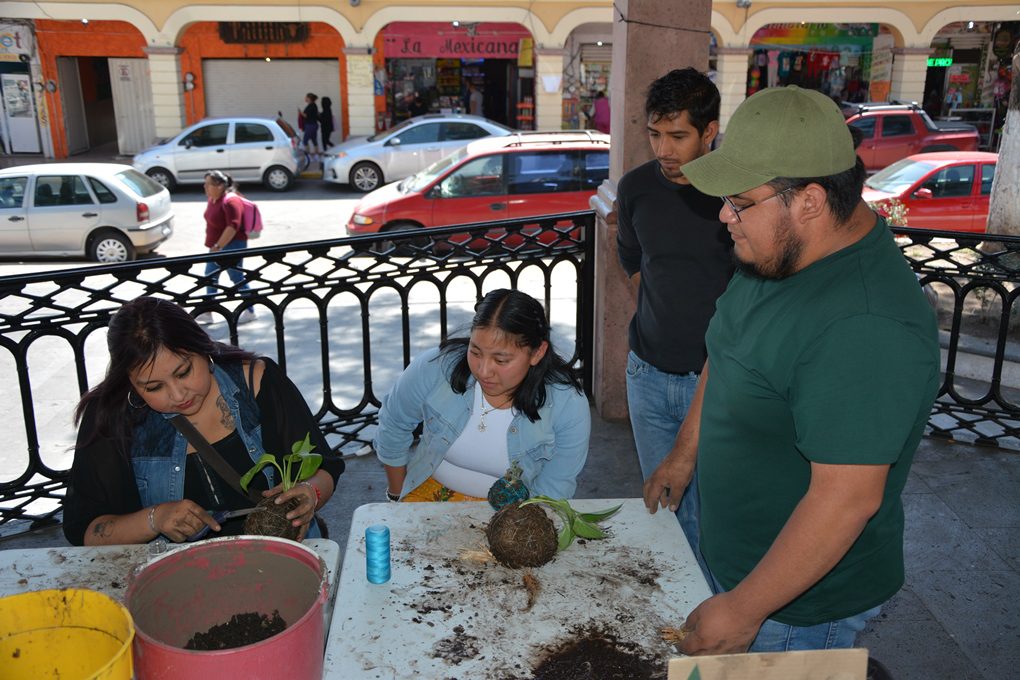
209, 455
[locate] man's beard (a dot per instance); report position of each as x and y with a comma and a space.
790, 248
677, 174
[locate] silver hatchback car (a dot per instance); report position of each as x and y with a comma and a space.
105, 211
368, 163
248, 149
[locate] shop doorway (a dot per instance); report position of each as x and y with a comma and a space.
497, 99
87, 98
20, 132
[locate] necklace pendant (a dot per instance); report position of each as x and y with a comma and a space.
481, 426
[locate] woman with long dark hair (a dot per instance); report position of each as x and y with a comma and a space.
134, 477
498, 399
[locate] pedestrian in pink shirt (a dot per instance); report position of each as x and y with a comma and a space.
600, 113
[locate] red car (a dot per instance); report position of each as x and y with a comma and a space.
495, 178
947, 190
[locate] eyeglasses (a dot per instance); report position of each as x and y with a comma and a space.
736, 211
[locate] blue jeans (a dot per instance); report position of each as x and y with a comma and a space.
658, 403
774, 636
213, 269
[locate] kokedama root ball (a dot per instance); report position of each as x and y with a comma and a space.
272, 519
521, 537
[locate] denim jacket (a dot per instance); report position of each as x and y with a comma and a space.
551, 451
158, 450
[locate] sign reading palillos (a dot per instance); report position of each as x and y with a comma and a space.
263, 32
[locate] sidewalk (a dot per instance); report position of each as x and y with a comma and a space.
955, 618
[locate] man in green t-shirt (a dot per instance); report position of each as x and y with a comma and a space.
823, 364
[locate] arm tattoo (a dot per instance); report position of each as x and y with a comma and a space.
226, 417
103, 529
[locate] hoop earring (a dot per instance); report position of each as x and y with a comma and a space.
212, 365
131, 403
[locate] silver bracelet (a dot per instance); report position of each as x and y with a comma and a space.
315, 491
152, 519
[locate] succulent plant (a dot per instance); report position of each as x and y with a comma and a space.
508, 489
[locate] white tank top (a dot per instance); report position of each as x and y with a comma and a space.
478, 457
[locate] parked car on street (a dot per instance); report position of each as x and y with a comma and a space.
894, 131
948, 190
366, 163
104, 211
526, 174
248, 149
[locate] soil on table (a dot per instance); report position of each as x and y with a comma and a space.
243, 629
598, 654
272, 520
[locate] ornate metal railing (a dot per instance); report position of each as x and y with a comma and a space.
974, 280
331, 313
339, 316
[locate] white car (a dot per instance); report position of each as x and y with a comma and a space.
104, 211
366, 163
247, 149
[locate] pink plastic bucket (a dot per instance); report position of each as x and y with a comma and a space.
190, 590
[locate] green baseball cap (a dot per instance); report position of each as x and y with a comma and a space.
777, 132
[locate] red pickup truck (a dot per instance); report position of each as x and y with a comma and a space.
894, 131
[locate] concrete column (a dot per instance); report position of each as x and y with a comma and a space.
650, 38
360, 91
548, 105
910, 67
168, 92
731, 79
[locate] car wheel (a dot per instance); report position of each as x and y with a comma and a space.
164, 177
277, 178
405, 247
366, 177
110, 247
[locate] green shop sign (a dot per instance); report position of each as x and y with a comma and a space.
940, 61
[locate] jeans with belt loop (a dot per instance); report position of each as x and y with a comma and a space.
658, 403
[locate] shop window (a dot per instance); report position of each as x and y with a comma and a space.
102, 193
895, 126
596, 169
952, 182
543, 173
480, 177
453, 132
207, 135
419, 134
251, 132
987, 176
12, 192
866, 126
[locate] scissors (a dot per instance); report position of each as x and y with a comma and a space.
220, 516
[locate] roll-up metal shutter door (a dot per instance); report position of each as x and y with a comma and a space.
256, 87
592, 53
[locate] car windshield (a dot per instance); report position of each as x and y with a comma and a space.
419, 181
899, 176
139, 183
392, 130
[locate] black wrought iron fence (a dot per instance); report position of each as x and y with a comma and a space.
339, 316
344, 316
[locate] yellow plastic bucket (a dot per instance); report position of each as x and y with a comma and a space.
71, 634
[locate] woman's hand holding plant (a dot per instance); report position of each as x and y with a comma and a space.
177, 520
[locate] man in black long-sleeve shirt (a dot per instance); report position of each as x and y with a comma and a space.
679, 256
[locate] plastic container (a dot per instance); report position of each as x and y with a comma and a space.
70, 634
190, 590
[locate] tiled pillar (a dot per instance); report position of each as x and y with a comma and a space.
731, 79
167, 89
646, 45
910, 67
548, 89
360, 93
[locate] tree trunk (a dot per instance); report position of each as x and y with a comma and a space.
1004, 206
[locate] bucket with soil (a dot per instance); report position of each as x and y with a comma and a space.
230, 607
69, 633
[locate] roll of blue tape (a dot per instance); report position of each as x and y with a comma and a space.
377, 553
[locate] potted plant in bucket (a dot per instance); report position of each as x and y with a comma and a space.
272, 520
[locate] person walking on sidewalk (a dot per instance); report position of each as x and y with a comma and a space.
326, 123
679, 257
309, 118
823, 364
600, 113
224, 231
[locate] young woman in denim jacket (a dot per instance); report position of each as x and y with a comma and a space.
486, 402
132, 479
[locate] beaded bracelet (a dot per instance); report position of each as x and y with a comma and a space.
152, 519
318, 494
